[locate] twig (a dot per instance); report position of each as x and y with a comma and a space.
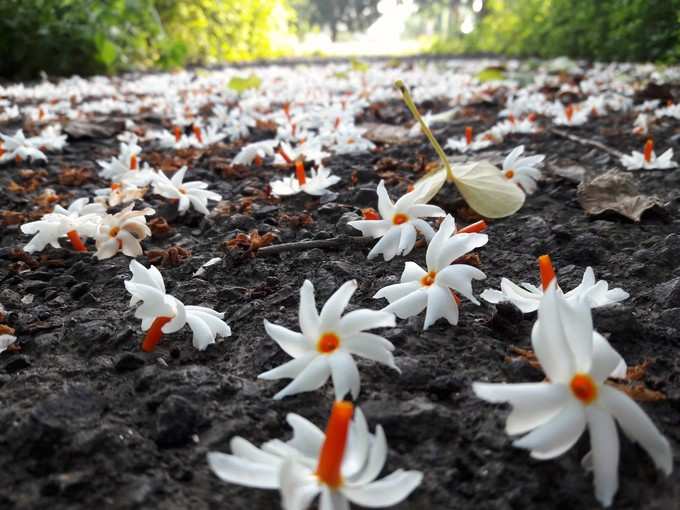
333, 242
587, 141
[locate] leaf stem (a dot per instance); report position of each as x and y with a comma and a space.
406, 96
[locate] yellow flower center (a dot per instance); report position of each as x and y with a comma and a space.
509, 174
114, 231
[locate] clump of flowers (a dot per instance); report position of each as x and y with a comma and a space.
527, 297
317, 184
481, 184
468, 143
399, 223
327, 341
79, 221
19, 148
438, 288
255, 152
192, 193
553, 414
340, 465
122, 231
648, 159
162, 313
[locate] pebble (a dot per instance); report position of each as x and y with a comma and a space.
365, 197
128, 361
343, 227
668, 293
176, 421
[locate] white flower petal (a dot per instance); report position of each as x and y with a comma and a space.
409, 305
459, 277
558, 435
345, 374
440, 303
336, 304
389, 491
293, 343
362, 319
604, 443
313, 376
233, 469
309, 318
637, 426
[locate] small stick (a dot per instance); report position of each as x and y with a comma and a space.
586, 141
333, 242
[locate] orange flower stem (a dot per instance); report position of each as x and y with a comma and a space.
333, 448
178, 133
479, 226
468, 135
300, 172
76, 241
649, 148
547, 271
153, 336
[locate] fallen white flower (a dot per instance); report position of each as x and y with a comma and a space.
577, 361
522, 171
527, 297
436, 289
341, 464
162, 313
192, 193
648, 159
327, 342
122, 231
400, 222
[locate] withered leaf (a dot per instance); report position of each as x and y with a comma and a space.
80, 130
616, 192
386, 133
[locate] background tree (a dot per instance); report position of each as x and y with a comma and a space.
338, 15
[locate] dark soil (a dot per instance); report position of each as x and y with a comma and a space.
87, 420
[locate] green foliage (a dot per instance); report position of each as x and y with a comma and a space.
637, 30
92, 36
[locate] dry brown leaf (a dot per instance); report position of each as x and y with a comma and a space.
616, 192
386, 133
638, 391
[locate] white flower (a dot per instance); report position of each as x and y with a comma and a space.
5, 341
127, 160
576, 361
570, 115
192, 193
118, 193
122, 232
327, 342
162, 313
522, 171
80, 219
256, 151
341, 465
435, 287
317, 184
527, 297
309, 151
648, 159
400, 222
50, 139
19, 148
467, 143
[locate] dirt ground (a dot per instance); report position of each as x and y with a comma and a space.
87, 420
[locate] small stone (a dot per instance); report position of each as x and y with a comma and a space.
365, 197
128, 362
242, 222
343, 227
176, 421
327, 198
80, 289
668, 293
17, 363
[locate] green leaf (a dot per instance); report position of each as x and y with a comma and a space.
490, 74
358, 65
241, 84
